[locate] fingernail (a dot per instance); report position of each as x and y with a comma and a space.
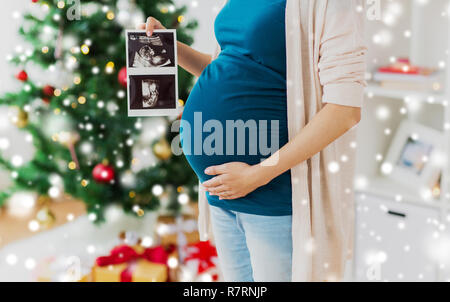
206, 171
149, 34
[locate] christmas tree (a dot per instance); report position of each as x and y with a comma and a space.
85, 145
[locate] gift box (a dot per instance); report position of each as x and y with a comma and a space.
139, 271
62, 269
177, 230
132, 264
200, 263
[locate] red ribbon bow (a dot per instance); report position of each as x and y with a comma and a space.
126, 254
204, 253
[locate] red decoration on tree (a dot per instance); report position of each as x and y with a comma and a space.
22, 76
48, 90
103, 173
122, 77
34, 1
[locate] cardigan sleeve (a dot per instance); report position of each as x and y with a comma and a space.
342, 54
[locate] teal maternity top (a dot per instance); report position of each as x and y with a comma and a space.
237, 110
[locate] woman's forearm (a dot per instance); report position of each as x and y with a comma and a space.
192, 60
189, 59
235, 180
329, 124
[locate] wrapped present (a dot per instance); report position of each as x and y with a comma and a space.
132, 264
178, 231
62, 269
200, 263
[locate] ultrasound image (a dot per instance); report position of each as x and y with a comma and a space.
154, 51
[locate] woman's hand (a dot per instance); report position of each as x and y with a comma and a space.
151, 25
188, 58
234, 180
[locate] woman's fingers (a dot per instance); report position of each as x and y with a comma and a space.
218, 190
213, 182
224, 195
141, 26
228, 197
151, 25
215, 170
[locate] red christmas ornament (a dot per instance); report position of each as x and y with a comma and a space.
103, 173
48, 90
34, 1
46, 100
22, 76
122, 77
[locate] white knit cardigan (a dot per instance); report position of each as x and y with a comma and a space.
325, 64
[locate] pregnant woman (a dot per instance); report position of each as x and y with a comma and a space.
276, 106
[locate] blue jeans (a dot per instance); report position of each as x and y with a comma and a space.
253, 247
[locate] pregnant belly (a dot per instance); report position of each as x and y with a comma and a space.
233, 116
